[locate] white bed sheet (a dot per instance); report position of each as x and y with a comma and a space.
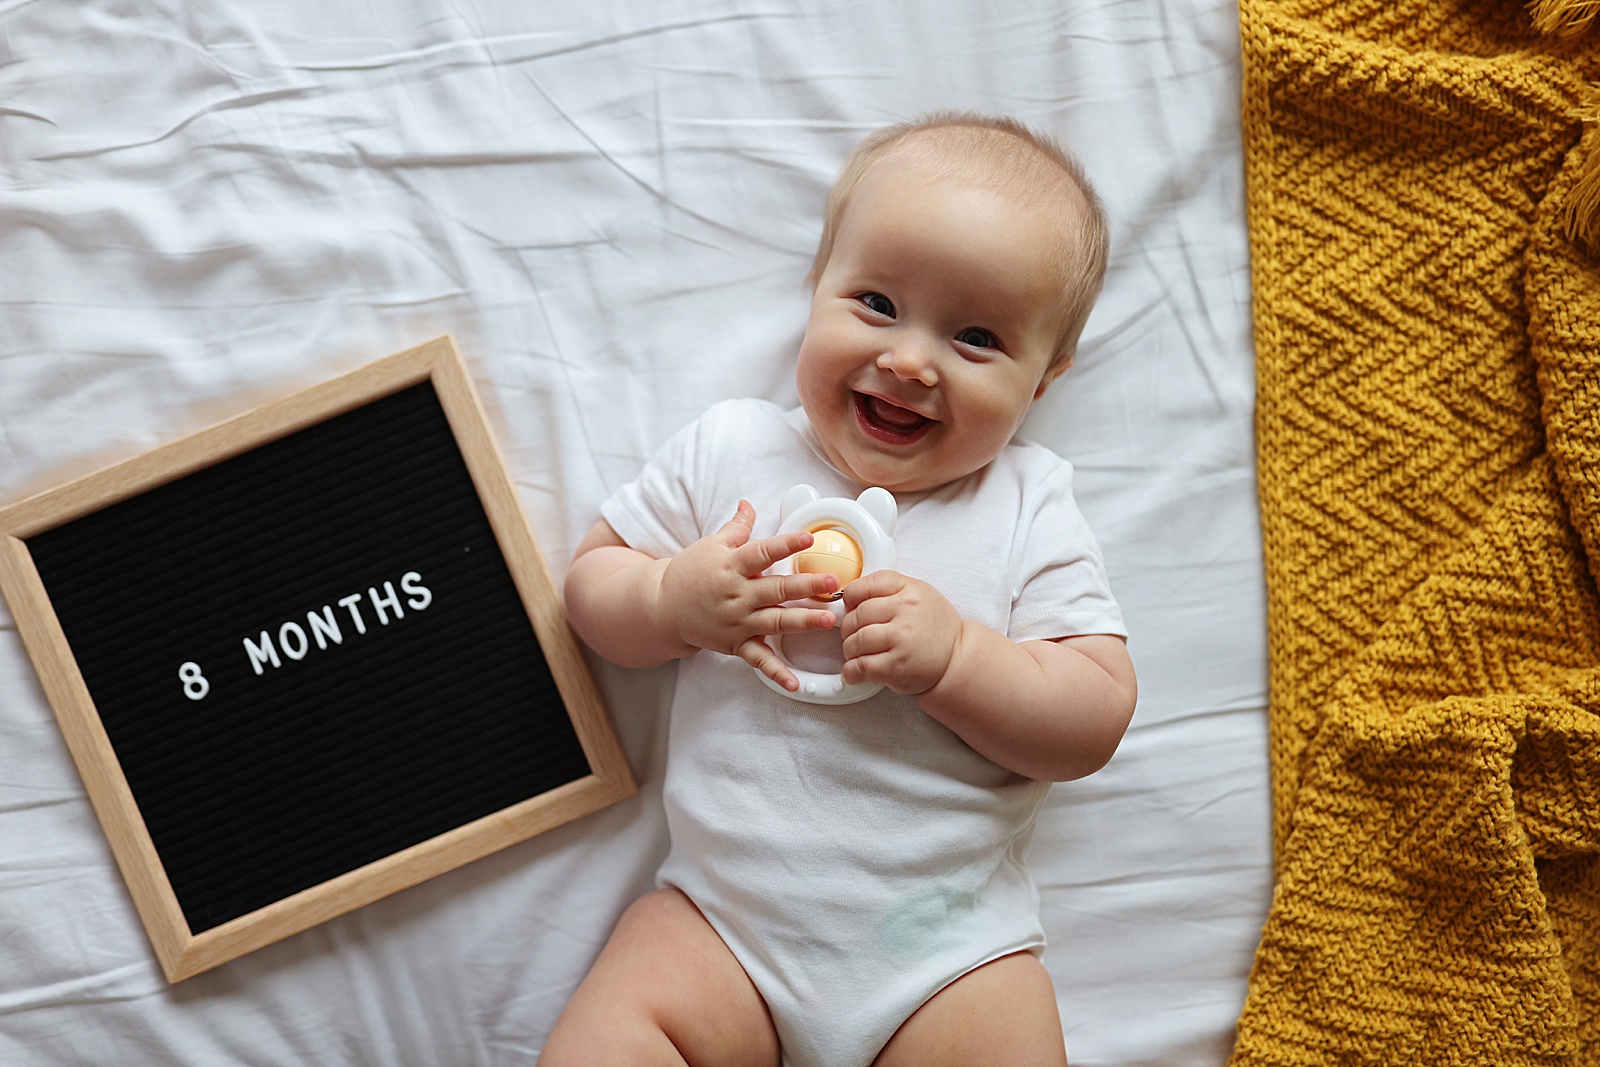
611, 205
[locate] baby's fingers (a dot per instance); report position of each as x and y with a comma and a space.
757, 556
780, 588
862, 669
736, 531
879, 583
759, 655
792, 620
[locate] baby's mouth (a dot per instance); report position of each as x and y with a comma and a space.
890, 422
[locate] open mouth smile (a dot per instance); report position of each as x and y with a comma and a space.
890, 423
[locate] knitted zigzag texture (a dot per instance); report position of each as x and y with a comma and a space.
1428, 426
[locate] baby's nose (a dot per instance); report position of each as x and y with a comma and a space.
911, 361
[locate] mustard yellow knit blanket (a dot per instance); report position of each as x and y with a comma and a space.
1428, 346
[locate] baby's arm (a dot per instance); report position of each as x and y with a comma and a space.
1051, 710
639, 611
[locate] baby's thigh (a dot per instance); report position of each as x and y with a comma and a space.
1003, 1013
666, 990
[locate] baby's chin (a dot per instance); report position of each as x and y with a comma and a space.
912, 473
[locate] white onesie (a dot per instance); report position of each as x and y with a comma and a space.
858, 858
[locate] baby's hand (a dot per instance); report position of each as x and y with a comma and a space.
899, 631
715, 596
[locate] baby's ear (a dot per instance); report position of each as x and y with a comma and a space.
1051, 375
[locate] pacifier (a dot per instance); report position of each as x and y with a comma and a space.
850, 538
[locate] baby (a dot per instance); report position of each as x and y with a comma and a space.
846, 883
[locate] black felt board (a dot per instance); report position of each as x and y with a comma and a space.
275, 782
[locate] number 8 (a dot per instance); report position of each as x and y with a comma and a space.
195, 685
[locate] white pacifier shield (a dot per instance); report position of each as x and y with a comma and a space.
868, 519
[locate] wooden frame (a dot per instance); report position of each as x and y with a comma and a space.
180, 952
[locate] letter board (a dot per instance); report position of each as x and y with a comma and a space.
307, 658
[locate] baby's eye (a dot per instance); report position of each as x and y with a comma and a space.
977, 338
877, 303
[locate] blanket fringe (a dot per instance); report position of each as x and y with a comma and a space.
1563, 18
1580, 214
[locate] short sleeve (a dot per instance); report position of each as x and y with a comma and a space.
1061, 586
657, 512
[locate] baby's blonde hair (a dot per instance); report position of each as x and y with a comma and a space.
1005, 154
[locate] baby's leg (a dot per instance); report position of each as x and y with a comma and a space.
1004, 1013
665, 991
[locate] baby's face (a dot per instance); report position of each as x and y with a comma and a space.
931, 328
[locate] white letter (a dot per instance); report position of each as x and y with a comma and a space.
392, 600
323, 626
421, 596
195, 685
260, 655
300, 636
350, 602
